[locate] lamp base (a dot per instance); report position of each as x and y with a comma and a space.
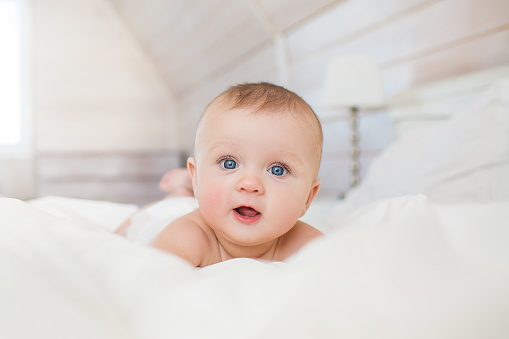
354, 147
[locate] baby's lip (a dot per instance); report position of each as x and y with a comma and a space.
246, 211
246, 214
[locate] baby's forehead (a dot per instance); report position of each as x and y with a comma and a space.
219, 115
215, 116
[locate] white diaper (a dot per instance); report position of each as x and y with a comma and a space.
146, 224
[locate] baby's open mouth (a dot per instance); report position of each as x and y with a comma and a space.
246, 214
247, 211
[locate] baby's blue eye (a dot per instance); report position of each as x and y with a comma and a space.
277, 170
229, 164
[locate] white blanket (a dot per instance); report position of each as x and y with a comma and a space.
399, 268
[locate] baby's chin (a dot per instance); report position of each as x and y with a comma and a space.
251, 236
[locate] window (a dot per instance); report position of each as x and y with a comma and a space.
14, 115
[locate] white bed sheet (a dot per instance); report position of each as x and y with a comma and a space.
399, 268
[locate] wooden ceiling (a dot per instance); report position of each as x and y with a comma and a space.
192, 41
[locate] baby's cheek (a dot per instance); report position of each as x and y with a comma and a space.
212, 197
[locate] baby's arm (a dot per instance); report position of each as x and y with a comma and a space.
185, 238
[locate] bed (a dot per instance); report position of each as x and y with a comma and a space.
417, 250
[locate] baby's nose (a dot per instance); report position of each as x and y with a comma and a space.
251, 184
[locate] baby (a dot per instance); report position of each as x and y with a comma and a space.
257, 153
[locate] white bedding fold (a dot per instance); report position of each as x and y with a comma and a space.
396, 269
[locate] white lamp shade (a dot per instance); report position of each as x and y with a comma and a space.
353, 81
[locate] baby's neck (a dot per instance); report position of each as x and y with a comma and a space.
231, 251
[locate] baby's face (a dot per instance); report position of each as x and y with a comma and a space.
255, 173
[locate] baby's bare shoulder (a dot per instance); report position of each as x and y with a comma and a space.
296, 238
185, 237
304, 231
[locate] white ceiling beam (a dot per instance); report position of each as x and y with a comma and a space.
278, 38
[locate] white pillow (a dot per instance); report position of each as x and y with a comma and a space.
465, 158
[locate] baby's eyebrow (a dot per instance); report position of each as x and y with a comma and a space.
294, 158
223, 145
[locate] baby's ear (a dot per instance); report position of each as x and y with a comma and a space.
315, 187
191, 167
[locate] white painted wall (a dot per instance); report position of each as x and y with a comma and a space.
95, 89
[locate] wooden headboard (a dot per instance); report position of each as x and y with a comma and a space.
118, 177
439, 100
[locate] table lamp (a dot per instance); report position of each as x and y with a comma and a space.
353, 82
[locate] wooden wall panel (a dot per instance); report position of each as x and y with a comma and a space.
119, 176
243, 42
232, 14
202, 47
414, 42
346, 22
94, 88
430, 30
286, 14
186, 24
17, 178
478, 52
